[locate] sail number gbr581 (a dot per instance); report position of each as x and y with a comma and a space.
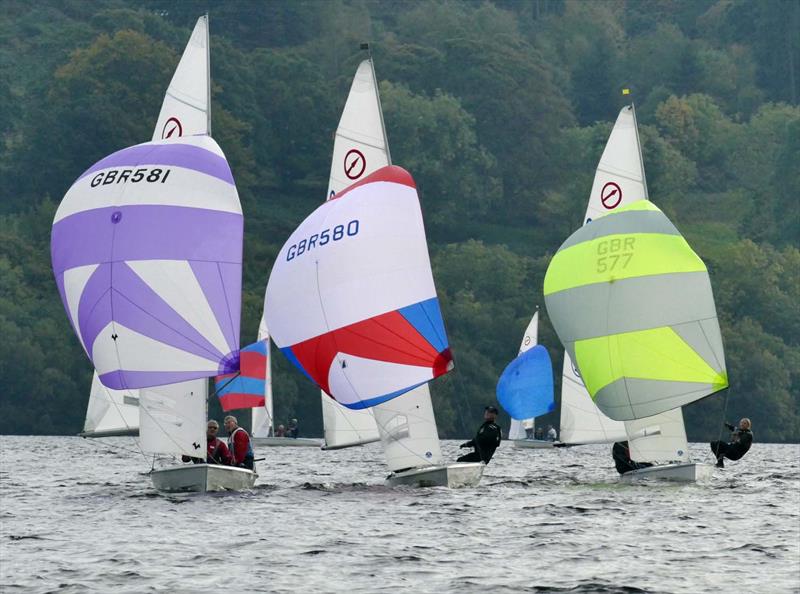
120, 176
322, 238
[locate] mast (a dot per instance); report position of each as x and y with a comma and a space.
208, 79
639, 147
365, 46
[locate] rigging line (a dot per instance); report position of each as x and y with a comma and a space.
214, 355
424, 356
724, 420
97, 441
464, 400
227, 304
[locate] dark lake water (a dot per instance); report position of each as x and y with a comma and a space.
81, 516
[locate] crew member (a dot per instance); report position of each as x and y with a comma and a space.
486, 440
239, 444
622, 458
741, 440
293, 430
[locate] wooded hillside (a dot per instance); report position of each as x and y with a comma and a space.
499, 109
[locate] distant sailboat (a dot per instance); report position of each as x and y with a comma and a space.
631, 300
523, 426
351, 302
111, 412
146, 248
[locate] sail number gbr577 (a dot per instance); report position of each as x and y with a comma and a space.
322, 238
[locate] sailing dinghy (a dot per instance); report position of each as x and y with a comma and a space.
146, 249
525, 389
405, 426
632, 304
352, 303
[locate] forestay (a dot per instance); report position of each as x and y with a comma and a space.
633, 305
173, 419
147, 254
186, 110
111, 412
351, 299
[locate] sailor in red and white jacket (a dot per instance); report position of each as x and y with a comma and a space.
239, 444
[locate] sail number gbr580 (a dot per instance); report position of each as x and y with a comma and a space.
322, 238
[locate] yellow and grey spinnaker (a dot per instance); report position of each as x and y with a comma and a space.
633, 306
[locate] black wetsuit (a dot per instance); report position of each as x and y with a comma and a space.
622, 458
485, 443
738, 447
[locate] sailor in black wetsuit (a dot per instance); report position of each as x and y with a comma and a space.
741, 440
486, 441
622, 458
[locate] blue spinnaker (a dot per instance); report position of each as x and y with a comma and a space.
525, 389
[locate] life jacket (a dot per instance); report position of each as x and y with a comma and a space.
213, 455
232, 445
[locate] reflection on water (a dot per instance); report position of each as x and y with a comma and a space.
81, 515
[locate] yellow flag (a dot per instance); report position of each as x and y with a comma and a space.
626, 91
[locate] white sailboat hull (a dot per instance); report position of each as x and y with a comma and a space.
290, 442
202, 478
454, 476
683, 472
535, 444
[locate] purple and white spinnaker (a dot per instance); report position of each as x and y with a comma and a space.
147, 253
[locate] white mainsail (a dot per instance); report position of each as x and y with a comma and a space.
619, 180
174, 419
529, 340
658, 439
111, 412
187, 105
262, 419
184, 112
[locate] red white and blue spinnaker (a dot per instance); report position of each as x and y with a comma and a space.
351, 299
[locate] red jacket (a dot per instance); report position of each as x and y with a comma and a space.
239, 446
218, 452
